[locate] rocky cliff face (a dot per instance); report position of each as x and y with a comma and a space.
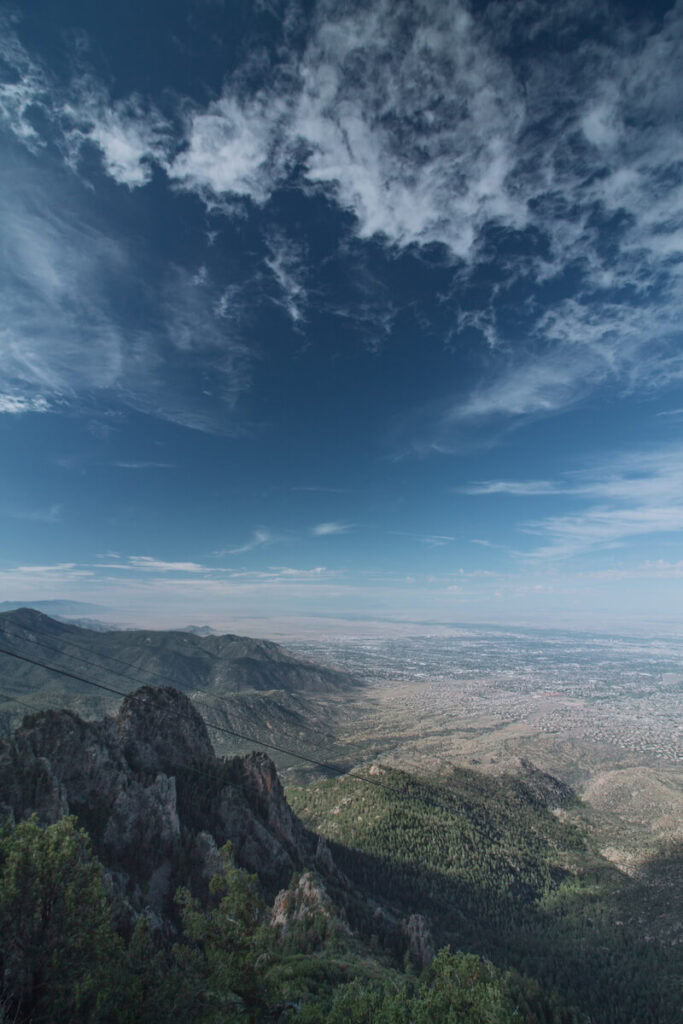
155, 799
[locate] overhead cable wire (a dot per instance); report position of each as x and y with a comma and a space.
155, 675
259, 741
327, 766
114, 672
404, 761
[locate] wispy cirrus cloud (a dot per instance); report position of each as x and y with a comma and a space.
330, 529
523, 488
66, 336
258, 539
288, 265
639, 493
50, 514
601, 528
60, 567
156, 565
143, 465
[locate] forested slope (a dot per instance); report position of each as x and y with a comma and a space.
497, 872
157, 925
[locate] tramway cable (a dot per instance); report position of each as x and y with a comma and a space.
327, 766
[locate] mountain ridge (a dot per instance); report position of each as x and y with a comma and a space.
225, 663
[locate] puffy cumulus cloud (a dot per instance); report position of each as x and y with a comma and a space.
404, 114
409, 119
130, 134
417, 118
236, 145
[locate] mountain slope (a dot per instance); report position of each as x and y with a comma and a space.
157, 804
147, 785
188, 662
495, 871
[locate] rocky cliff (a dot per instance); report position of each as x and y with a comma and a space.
155, 799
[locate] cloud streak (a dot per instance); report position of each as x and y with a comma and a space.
66, 284
330, 529
639, 493
258, 539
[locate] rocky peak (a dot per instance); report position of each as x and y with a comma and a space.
159, 729
158, 803
420, 941
305, 900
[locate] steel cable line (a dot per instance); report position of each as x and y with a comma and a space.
327, 766
405, 763
31, 707
110, 671
165, 682
213, 779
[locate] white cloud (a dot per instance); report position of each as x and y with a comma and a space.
130, 134
60, 567
416, 120
288, 265
285, 572
156, 565
328, 529
646, 476
58, 334
258, 538
640, 493
361, 85
25, 92
66, 336
601, 527
519, 487
23, 403
143, 465
234, 146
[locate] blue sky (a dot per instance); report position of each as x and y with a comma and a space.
343, 309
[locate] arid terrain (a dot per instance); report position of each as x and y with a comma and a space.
603, 714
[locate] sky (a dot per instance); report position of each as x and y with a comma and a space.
345, 310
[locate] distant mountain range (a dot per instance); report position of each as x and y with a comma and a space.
128, 658
56, 608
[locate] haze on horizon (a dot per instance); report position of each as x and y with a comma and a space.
329, 310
